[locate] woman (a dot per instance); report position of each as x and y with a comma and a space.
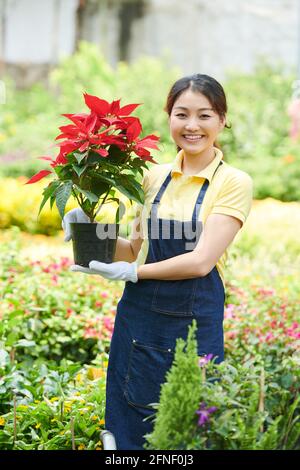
174, 268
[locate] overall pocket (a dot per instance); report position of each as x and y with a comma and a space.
147, 370
174, 297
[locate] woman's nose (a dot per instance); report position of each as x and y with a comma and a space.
192, 124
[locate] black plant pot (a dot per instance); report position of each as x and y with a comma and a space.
94, 242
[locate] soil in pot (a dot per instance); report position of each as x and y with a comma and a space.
94, 242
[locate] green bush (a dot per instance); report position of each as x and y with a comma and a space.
241, 405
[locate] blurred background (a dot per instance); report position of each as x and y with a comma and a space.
51, 51
56, 327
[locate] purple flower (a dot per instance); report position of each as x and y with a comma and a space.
204, 413
205, 359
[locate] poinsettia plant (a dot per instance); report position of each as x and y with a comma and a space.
99, 153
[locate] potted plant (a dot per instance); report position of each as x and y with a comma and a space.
100, 152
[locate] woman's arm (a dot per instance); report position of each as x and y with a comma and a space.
218, 232
127, 250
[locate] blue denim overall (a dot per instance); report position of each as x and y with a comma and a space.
151, 315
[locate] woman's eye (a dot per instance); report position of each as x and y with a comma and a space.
180, 115
204, 116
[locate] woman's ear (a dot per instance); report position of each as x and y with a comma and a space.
222, 122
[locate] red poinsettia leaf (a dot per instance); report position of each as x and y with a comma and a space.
78, 119
100, 107
91, 121
77, 116
68, 128
134, 130
105, 121
144, 155
61, 136
128, 109
68, 146
84, 146
102, 152
114, 107
41, 174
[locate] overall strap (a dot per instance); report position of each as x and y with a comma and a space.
154, 206
201, 195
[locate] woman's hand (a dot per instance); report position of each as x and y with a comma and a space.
118, 271
75, 215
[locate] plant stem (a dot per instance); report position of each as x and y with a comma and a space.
72, 433
15, 419
62, 410
12, 355
103, 202
261, 405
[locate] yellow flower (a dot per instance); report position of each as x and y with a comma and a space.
79, 378
95, 373
2, 421
22, 407
101, 422
38, 425
288, 158
81, 447
99, 445
53, 399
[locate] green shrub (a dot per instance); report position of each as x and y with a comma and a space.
241, 405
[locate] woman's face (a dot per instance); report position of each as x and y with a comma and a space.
194, 125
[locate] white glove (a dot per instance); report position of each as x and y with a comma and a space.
75, 215
118, 271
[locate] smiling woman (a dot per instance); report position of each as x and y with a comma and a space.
174, 263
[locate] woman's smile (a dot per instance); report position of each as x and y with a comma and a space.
193, 138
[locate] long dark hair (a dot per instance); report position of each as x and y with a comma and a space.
204, 84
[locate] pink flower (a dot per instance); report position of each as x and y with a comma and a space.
269, 337
205, 359
204, 413
294, 114
229, 311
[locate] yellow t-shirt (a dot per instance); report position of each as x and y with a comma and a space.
229, 192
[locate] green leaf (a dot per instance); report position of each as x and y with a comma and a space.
88, 194
4, 358
79, 169
99, 187
62, 196
116, 155
102, 177
131, 188
79, 156
120, 210
25, 343
48, 192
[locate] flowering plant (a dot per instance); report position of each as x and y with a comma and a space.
100, 152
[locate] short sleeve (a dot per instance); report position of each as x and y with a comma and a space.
235, 196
